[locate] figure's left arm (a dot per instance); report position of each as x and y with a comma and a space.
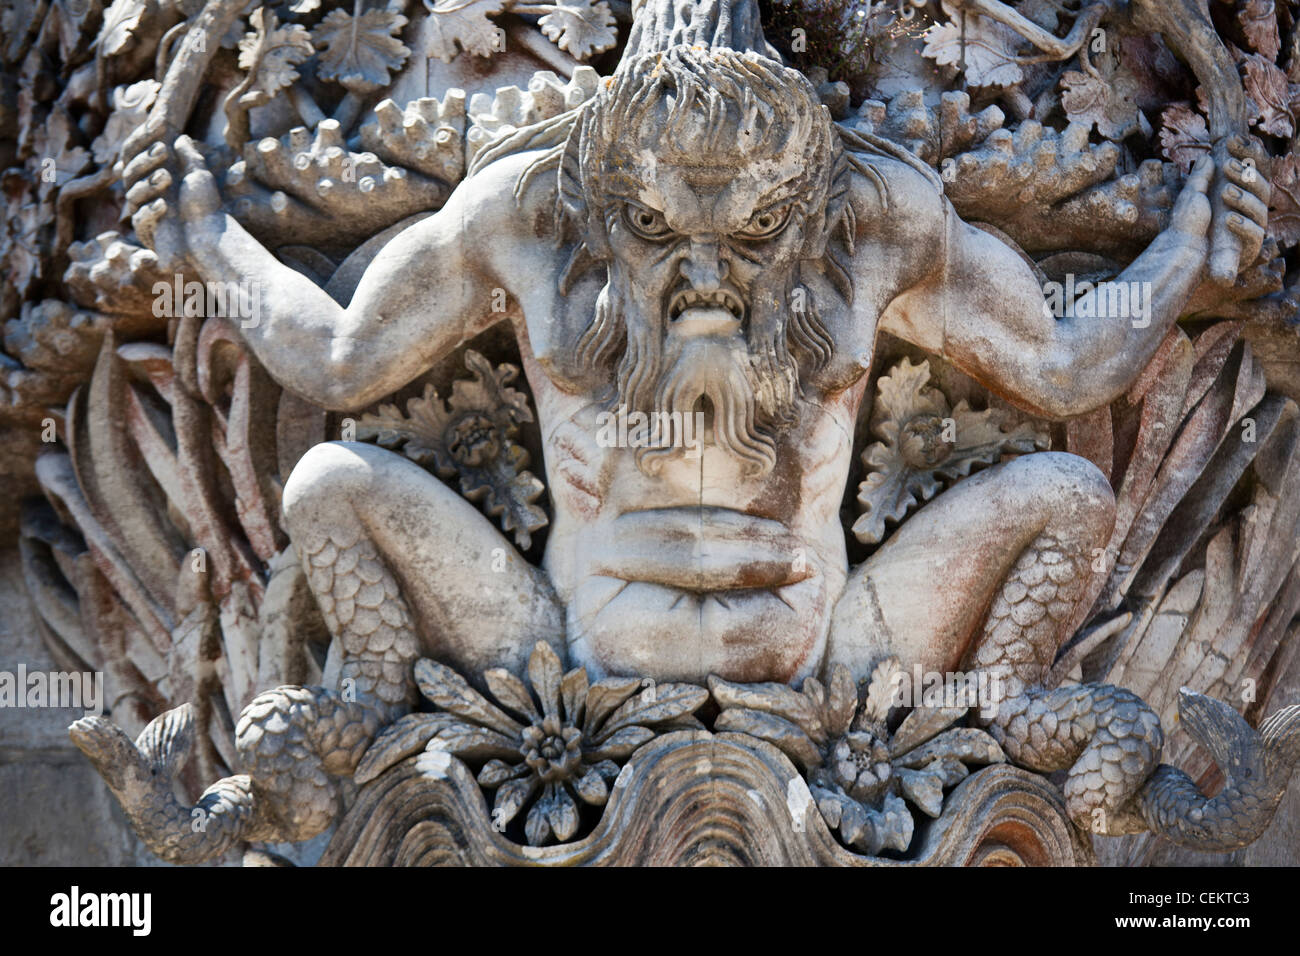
985, 311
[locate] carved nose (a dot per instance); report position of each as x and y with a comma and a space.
703, 267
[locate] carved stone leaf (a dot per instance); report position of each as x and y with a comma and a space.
489, 388
921, 724
573, 692
925, 445
605, 696
773, 698
881, 691
130, 109
445, 688
511, 498
841, 698
463, 25
56, 156
536, 828
580, 27
902, 394
888, 494
970, 745
592, 788
271, 52
982, 440
544, 672
360, 52
562, 814
1284, 204
777, 731
622, 744
510, 691
511, 797
989, 51
496, 772
923, 788
19, 250
1184, 137
420, 432
470, 741
1258, 19
121, 20
1106, 98
1269, 95
656, 703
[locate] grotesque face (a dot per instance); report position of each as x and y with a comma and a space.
706, 175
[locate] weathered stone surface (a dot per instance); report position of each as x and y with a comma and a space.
855, 420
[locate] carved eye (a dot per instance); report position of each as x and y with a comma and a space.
767, 223
646, 223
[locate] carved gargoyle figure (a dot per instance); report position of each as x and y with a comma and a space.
698, 238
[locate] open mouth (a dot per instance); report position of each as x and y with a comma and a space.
689, 298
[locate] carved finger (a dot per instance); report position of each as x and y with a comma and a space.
1198, 180
146, 191
189, 155
144, 163
146, 221
1247, 147
1250, 233
1248, 176
1246, 203
140, 141
1190, 212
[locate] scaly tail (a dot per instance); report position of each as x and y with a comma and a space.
1107, 735
1108, 738
290, 739
140, 775
1256, 764
293, 742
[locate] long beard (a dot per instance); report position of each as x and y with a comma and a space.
751, 384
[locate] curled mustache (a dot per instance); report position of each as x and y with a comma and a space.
752, 381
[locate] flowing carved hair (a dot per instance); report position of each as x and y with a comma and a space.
709, 93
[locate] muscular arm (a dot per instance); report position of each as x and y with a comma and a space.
425, 292
984, 310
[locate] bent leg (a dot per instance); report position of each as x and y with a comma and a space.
1031, 523
394, 555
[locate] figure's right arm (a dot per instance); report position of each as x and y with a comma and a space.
428, 290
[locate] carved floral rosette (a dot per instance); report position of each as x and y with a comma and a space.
600, 774
150, 450
696, 798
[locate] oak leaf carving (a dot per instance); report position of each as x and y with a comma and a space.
462, 24
580, 27
360, 51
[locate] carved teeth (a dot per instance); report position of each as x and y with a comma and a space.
693, 298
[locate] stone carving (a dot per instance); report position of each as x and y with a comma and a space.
472, 439
857, 768
925, 443
694, 248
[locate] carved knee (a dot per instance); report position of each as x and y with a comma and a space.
329, 474
1070, 493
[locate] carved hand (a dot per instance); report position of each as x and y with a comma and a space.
169, 192
1243, 191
